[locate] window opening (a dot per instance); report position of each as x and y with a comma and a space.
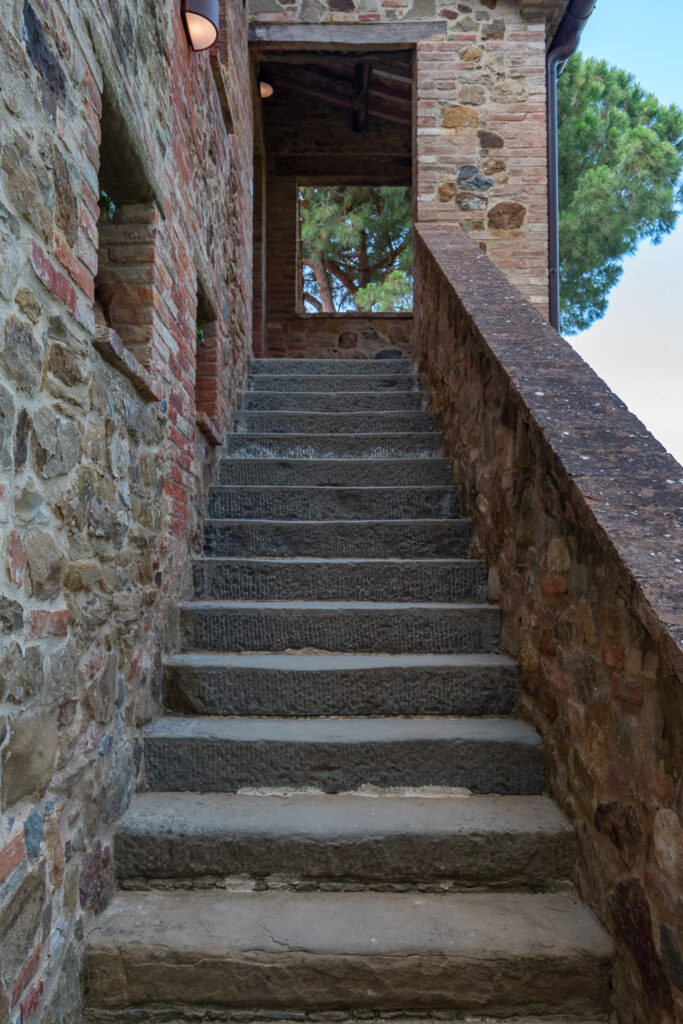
356, 249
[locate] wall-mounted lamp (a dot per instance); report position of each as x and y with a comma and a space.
201, 22
265, 85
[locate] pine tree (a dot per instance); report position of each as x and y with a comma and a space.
356, 248
621, 157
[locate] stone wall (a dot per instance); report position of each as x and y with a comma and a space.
577, 509
109, 413
343, 336
479, 146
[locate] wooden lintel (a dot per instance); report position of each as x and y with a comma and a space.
361, 96
347, 36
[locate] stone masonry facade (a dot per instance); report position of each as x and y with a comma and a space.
110, 413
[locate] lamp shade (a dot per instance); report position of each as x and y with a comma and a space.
265, 85
201, 22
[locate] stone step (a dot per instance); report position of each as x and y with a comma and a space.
337, 383
159, 1015
335, 472
341, 626
335, 401
468, 841
311, 503
340, 684
335, 446
333, 367
419, 538
308, 579
215, 754
276, 422
498, 953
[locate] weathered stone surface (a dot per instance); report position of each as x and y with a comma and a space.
459, 116
335, 684
416, 539
469, 177
491, 140
65, 365
495, 841
96, 881
633, 923
366, 950
22, 356
57, 442
20, 919
28, 185
506, 216
46, 565
28, 756
224, 755
335, 472
28, 304
622, 825
7, 420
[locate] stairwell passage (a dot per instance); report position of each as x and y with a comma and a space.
342, 813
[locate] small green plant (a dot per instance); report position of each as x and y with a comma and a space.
200, 332
108, 204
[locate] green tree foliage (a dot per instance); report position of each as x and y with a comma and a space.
621, 156
356, 248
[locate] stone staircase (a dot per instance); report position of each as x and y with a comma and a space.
343, 817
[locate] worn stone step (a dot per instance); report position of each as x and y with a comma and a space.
469, 841
277, 422
336, 472
338, 383
335, 401
183, 1015
340, 684
499, 953
333, 367
335, 446
210, 755
352, 626
418, 538
308, 579
307, 503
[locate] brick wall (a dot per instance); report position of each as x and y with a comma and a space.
103, 465
577, 509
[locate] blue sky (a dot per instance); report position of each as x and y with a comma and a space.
638, 346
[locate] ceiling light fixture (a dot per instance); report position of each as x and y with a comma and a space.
200, 18
265, 85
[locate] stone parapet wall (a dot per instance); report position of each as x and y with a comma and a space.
102, 463
343, 336
578, 510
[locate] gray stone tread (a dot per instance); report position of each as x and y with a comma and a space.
339, 384
342, 815
468, 840
332, 367
337, 472
340, 662
345, 730
334, 401
342, 606
498, 953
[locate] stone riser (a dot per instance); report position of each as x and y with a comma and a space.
333, 367
313, 503
501, 953
367, 580
315, 384
331, 402
473, 841
216, 755
350, 446
373, 628
308, 685
334, 423
335, 472
410, 539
